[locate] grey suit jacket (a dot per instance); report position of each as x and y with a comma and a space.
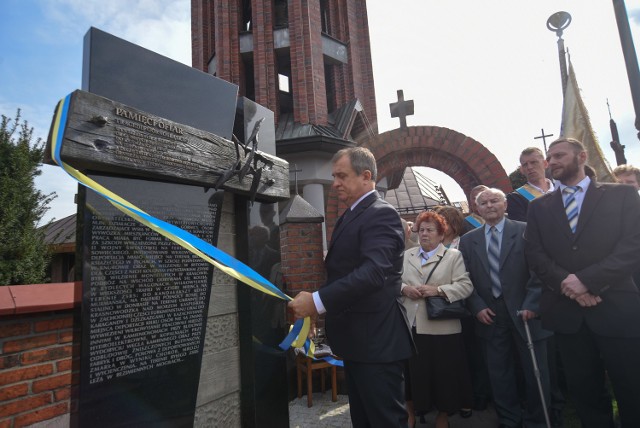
520, 288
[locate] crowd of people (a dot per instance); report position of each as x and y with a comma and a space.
546, 273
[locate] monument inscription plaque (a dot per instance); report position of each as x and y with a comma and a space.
146, 300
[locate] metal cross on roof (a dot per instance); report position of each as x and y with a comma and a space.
401, 109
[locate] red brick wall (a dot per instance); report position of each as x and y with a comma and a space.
36, 374
302, 257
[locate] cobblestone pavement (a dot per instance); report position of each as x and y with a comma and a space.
326, 414
323, 413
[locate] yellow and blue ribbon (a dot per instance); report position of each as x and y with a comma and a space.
299, 332
529, 192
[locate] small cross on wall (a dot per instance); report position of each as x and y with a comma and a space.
401, 109
295, 171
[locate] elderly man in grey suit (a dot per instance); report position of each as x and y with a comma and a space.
505, 296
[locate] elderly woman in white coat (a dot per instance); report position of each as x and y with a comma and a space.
438, 376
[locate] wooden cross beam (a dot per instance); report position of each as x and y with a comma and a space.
106, 136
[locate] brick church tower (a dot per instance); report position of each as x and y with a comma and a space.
309, 61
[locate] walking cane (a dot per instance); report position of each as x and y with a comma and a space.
536, 370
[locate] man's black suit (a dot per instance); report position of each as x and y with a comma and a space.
365, 323
505, 339
602, 253
517, 206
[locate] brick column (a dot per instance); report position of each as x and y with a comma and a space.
302, 258
307, 66
227, 17
343, 74
358, 73
365, 90
333, 210
202, 37
264, 61
301, 247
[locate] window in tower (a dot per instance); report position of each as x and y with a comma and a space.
246, 15
330, 86
283, 83
281, 12
324, 16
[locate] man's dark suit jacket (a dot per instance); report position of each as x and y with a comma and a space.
603, 253
520, 289
517, 206
365, 321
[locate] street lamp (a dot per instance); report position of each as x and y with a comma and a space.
557, 23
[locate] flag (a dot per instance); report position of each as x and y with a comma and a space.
576, 124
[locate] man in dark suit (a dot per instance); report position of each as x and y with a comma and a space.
583, 241
505, 296
365, 323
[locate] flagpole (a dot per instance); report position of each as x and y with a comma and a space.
630, 58
575, 117
557, 23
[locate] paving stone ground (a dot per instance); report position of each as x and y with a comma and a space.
326, 414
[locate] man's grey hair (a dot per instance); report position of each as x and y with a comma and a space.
361, 160
493, 191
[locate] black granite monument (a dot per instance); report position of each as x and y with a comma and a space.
160, 139
144, 305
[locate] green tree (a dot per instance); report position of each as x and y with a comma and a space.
24, 256
517, 179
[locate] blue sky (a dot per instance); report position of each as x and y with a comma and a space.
486, 69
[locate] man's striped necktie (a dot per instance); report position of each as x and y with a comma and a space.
571, 206
493, 253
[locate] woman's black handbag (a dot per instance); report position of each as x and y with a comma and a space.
439, 308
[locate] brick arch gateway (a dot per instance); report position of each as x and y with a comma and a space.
461, 157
